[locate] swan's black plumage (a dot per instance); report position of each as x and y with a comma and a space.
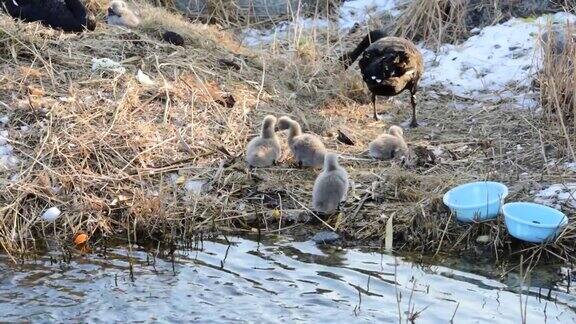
67, 15
389, 65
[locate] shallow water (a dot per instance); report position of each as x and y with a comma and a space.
279, 281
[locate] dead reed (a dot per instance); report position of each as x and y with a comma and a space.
557, 82
243, 13
435, 22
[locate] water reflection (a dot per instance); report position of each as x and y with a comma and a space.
246, 282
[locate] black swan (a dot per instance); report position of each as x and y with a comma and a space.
67, 15
389, 65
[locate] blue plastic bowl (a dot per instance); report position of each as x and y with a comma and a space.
476, 201
532, 222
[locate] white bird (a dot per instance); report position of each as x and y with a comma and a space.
389, 146
308, 149
330, 187
264, 150
119, 14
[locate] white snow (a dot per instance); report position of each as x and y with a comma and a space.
7, 158
349, 13
558, 195
3, 138
571, 166
359, 11
255, 37
490, 66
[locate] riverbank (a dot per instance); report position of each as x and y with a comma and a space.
162, 161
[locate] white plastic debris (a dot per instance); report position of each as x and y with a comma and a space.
194, 186
51, 214
144, 79
106, 64
483, 239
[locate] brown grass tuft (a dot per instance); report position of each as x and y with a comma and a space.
435, 22
557, 81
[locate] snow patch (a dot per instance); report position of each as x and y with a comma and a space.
558, 195
493, 64
7, 158
349, 13
571, 166
359, 11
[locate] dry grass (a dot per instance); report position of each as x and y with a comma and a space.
115, 155
232, 13
435, 22
450, 21
96, 136
557, 81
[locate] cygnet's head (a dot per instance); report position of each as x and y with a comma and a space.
284, 122
330, 161
268, 125
396, 131
269, 121
117, 8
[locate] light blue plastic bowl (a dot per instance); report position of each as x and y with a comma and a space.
532, 222
476, 201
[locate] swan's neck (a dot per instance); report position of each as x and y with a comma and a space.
295, 130
267, 131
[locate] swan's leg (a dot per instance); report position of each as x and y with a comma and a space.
414, 122
374, 106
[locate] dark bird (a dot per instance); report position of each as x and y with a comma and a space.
389, 65
173, 38
66, 15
